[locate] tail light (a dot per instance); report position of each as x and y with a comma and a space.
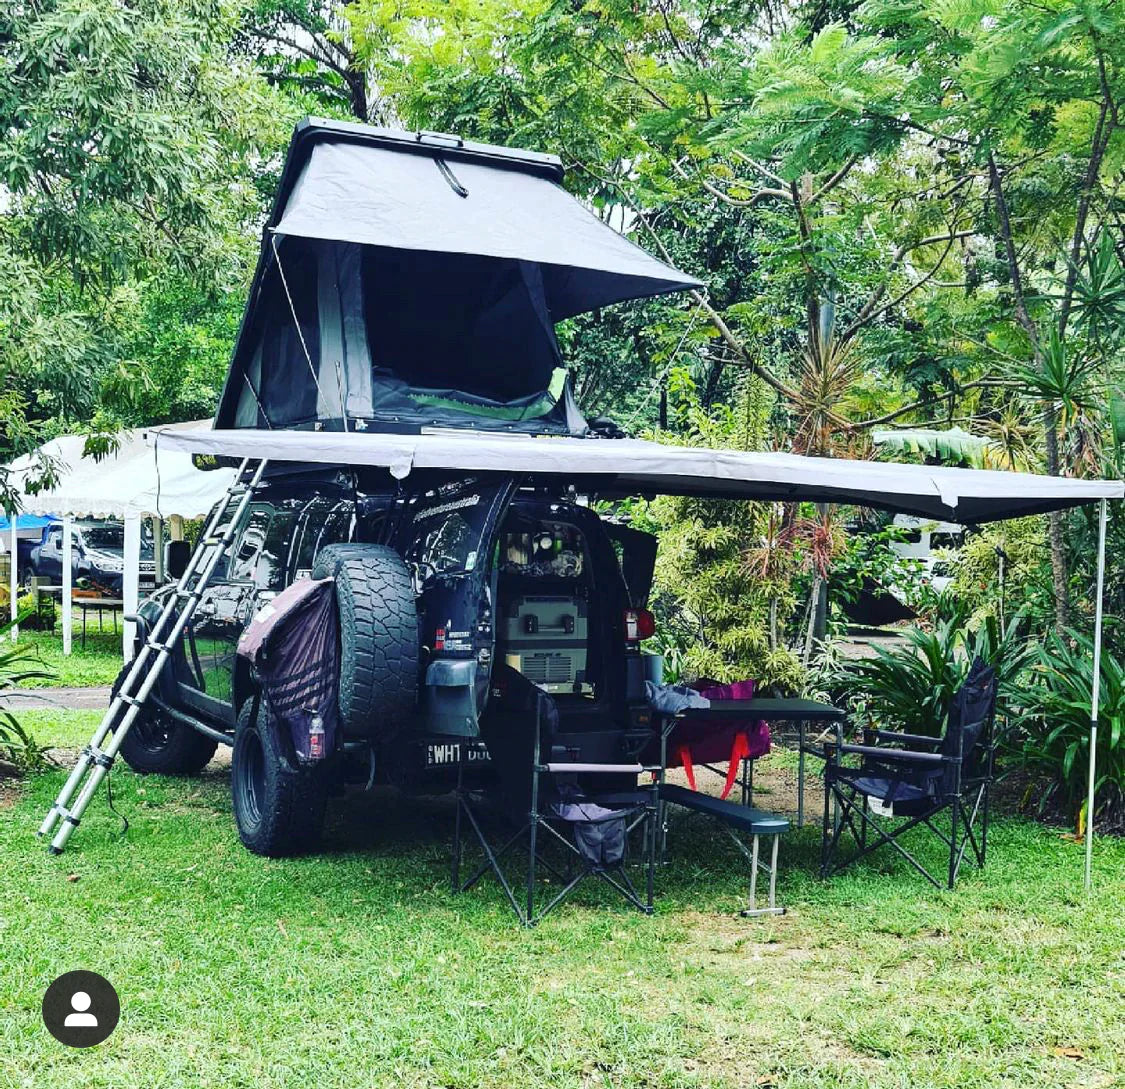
639, 624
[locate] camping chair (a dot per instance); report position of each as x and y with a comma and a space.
905, 780
544, 799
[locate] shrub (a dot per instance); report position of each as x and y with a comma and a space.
17, 746
1055, 732
911, 686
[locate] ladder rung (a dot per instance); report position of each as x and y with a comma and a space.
103, 760
158, 646
132, 701
197, 592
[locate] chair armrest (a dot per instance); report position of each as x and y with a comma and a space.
905, 738
900, 756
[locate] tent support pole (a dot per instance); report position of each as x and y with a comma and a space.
158, 549
130, 583
1095, 695
67, 584
15, 575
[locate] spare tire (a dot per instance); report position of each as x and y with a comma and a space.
379, 636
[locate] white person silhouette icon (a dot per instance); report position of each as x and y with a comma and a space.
81, 1017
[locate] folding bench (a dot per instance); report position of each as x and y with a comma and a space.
739, 818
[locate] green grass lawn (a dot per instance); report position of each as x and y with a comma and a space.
358, 968
96, 664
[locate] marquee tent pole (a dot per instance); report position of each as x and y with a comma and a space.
130, 583
15, 577
67, 584
1095, 695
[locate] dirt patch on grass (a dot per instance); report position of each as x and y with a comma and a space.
10, 789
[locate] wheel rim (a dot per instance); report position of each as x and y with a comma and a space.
251, 778
152, 732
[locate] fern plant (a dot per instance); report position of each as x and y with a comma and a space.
1055, 732
911, 687
17, 747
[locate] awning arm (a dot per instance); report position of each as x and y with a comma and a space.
1096, 694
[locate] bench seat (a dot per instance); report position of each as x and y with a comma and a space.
738, 818
755, 821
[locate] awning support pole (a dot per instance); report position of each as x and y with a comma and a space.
1095, 695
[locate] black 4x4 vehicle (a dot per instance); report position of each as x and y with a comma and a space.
435, 583
409, 284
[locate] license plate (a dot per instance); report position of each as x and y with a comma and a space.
450, 753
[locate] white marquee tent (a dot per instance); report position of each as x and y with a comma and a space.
135, 482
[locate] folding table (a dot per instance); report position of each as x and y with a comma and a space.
800, 711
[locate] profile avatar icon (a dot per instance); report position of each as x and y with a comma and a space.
81, 1008
81, 1017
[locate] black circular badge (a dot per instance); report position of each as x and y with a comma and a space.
80, 1009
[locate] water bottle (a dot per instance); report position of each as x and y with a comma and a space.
316, 738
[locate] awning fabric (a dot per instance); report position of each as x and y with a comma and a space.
133, 482
637, 467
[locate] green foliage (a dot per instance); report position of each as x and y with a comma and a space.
952, 446
1027, 573
869, 557
723, 592
17, 746
911, 687
1054, 735
136, 155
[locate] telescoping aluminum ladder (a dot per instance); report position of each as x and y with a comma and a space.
97, 758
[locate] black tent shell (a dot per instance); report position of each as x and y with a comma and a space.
414, 279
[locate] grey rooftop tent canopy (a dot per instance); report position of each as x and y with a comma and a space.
620, 467
411, 279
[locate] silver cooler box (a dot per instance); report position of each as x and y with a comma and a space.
545, 638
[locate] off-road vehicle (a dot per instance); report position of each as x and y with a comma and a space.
435, 582
421, 308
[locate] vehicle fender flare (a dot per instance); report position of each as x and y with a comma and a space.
243, 686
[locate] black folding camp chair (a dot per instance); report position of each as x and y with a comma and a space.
542, 800
905, 780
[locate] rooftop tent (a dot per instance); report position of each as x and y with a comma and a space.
408, 279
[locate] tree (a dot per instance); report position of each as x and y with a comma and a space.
135, 154
305, 47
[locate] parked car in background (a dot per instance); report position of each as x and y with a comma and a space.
97, 556
930, 543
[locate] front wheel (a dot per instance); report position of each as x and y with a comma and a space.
157, 744
279, 809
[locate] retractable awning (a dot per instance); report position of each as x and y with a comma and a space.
638, 467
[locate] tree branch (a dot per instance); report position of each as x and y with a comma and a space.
835, 180
867, 312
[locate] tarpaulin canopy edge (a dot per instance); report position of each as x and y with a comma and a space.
638, 467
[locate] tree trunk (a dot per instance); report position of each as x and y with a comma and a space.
1055, 528
357, 92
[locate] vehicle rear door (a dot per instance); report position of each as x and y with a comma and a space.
448, 537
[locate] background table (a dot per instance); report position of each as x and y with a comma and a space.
99, 605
